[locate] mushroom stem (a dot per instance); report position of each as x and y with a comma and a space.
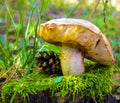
72, 60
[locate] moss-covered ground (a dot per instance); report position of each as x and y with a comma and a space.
94, 83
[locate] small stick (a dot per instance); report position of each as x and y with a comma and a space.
94, 10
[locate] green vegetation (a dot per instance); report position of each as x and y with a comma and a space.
95, 83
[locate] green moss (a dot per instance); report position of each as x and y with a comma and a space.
95, 83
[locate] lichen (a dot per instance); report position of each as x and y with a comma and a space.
96, 83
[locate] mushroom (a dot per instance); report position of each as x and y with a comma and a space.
78, 39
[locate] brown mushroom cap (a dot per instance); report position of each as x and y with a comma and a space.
80, 34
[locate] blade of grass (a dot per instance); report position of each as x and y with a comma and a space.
2, 65
7, 36
44, 5
26, 59
20, 6
7, 60
37, 25
28, 25
73, 10
13, 97
11, 17
28, 69
35, 40
4, 51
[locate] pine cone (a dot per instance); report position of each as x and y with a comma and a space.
49, 62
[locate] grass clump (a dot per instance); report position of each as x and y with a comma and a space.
95, 83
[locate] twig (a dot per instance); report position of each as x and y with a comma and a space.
94, 10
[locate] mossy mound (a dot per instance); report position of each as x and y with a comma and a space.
95, 83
